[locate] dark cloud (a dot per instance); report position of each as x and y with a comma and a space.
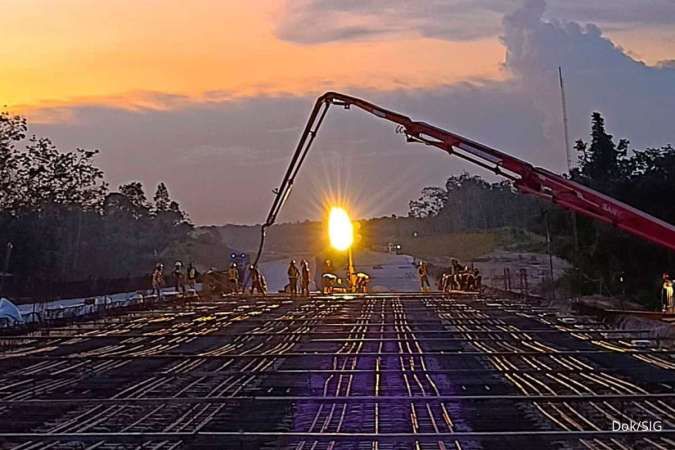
222, 157
319, 21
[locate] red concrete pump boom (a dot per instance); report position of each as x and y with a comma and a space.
526, 178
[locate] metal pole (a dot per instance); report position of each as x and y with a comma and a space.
565, 124
573, 215
350, 270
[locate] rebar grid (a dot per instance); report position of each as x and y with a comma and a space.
332, 372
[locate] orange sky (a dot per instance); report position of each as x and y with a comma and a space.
73, 51
164, 54
79, 49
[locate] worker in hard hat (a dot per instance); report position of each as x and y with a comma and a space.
256, 280
179, 278
192, 276
158, 279
293, 275
233, 278
667, 294
361, 282
304, 278
423, 273
328, 281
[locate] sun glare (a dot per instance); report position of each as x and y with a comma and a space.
340, 229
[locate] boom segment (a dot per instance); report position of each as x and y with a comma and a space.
526, 178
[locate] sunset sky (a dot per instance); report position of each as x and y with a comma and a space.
210, 96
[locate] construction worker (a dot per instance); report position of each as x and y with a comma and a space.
304, 279
257, 280
453, 281
328, 281
361, 284
157, 279
192, 276
179, 278
455, 267
327, 266
464, 280
667, 294
440, 281
450, 277
478, 280
423, 272
328, 278
293, 275
471, 281
233, 278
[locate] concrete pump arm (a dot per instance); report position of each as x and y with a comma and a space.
526, 178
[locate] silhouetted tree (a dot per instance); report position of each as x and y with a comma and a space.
161, 198
56, 210
603, 165
138, 202
469, 203
36, 176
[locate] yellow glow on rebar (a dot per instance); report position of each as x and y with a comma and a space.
340, 229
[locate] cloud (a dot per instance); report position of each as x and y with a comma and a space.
637, 99
223, 159
139, 101
321, 21
222, 155
627, 12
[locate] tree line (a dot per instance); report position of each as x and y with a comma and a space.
606, 260
62, 220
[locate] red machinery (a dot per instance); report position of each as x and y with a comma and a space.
526, 178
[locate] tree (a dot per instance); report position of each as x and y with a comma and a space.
642, 179
56, 209
138, 202
468, 203
35, 175
44, 194
429, 204
602, 164
12, 131
161, 198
